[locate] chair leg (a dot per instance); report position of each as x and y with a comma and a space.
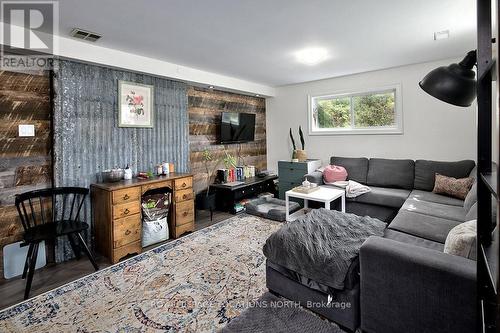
27, 262
87, 251
31, 270
76, 249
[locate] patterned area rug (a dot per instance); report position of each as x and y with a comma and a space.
197, 283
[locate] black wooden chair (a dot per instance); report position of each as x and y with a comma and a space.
47, 214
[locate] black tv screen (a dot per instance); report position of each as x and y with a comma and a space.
237, 127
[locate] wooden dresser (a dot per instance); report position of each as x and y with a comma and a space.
116, 209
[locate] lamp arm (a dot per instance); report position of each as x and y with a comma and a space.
470, 60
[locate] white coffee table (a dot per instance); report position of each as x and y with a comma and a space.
324, 194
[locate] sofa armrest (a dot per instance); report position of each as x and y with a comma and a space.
315, 177
407, 288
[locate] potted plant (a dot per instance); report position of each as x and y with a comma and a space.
229, 160
205, 200
299, 154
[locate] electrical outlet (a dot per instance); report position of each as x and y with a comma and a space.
26, 130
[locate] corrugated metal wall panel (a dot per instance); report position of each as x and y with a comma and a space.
87, 138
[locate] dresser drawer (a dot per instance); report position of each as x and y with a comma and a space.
184, 212
183, 229
183, 183
126, 195
285, 165
288, 185
292, 175
183, 195
126, 209
122, 251
146, 188
126, 230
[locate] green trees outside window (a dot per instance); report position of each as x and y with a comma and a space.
355, 111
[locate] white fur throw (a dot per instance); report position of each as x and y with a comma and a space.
461, 241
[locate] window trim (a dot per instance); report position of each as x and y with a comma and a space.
398, 105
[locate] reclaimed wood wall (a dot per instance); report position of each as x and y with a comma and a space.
25, 162
205, 107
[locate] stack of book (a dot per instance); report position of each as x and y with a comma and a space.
239, 173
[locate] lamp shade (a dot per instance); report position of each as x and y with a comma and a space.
454, 84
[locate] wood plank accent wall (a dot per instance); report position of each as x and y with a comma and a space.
205, 107
25, 162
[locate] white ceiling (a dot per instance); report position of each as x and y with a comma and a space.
255, 40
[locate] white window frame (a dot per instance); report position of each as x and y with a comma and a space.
398, 106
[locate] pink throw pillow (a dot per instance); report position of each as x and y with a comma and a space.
334, 173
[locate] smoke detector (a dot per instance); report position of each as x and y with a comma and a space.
85, 35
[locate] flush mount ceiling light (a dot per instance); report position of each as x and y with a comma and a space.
311, 56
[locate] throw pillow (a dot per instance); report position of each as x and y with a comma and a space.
334, 173
452, 187
461, 240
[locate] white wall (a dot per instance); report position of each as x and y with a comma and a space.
432, 129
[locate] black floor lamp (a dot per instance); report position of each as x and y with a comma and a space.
454, 84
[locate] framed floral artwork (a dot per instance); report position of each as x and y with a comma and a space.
135, 105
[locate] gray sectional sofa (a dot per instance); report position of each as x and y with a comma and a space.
407, 282
393, 182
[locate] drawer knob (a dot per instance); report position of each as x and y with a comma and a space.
126, 197
184, 196
185, 214
184, 184
126, 211
128, 232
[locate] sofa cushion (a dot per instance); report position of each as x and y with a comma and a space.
461, 241
449, 212
410, 239
425, 172
383, 213
425, 226
383, 196
391, 173
357, 167
437, 198
471, 213
471, 198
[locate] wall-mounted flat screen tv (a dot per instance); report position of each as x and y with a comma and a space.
237, 127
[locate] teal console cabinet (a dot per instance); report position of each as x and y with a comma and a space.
291, 174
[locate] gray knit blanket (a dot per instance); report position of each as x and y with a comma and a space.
322, 244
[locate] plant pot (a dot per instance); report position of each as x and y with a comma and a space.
301, 155
204, 201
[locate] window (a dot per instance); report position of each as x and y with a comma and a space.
368, 112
